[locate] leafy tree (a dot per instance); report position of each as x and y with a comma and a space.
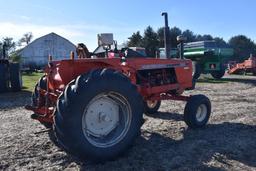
220, 41
10, 45
190, 35
135, 40
243, 47
150, 41
15, 57
174, 32
203, 37
27, 37
160, 34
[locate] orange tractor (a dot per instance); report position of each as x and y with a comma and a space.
95, 105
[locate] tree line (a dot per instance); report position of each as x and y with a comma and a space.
11, 45
151, 40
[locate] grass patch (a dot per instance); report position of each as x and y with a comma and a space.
30, 80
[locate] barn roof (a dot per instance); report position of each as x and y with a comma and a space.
47, 35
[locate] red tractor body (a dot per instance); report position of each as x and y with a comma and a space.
155, 79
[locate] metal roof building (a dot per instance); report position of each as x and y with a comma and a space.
37, 52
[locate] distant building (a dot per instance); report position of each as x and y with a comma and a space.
35, 54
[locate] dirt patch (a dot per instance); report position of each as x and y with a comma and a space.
227, 143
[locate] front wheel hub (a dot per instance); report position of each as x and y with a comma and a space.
201, 113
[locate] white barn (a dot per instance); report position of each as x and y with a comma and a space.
37, 52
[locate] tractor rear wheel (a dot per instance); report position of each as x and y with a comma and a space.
99, 115
218, 74
151, 106
197, 111
15, 77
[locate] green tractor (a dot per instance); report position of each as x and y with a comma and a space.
10, 74
207, 56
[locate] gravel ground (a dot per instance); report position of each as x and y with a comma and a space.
227, 143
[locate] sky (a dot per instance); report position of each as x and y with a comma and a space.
81, 20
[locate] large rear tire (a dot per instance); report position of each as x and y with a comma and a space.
197, 111
15, 77
99, 115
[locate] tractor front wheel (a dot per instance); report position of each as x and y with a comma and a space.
99, 115
197, 111
151, 106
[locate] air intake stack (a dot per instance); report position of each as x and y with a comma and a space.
167, 42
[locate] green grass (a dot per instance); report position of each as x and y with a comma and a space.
30, 80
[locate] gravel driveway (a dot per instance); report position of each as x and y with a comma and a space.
227, 143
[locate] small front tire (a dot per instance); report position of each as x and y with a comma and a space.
197, 111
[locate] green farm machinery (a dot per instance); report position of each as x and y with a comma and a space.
208, 57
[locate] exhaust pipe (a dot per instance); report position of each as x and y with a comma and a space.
167, 42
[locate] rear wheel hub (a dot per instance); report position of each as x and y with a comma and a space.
106, 119
102, 116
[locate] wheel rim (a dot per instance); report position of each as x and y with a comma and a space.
201, 113
106, 119
152, 103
